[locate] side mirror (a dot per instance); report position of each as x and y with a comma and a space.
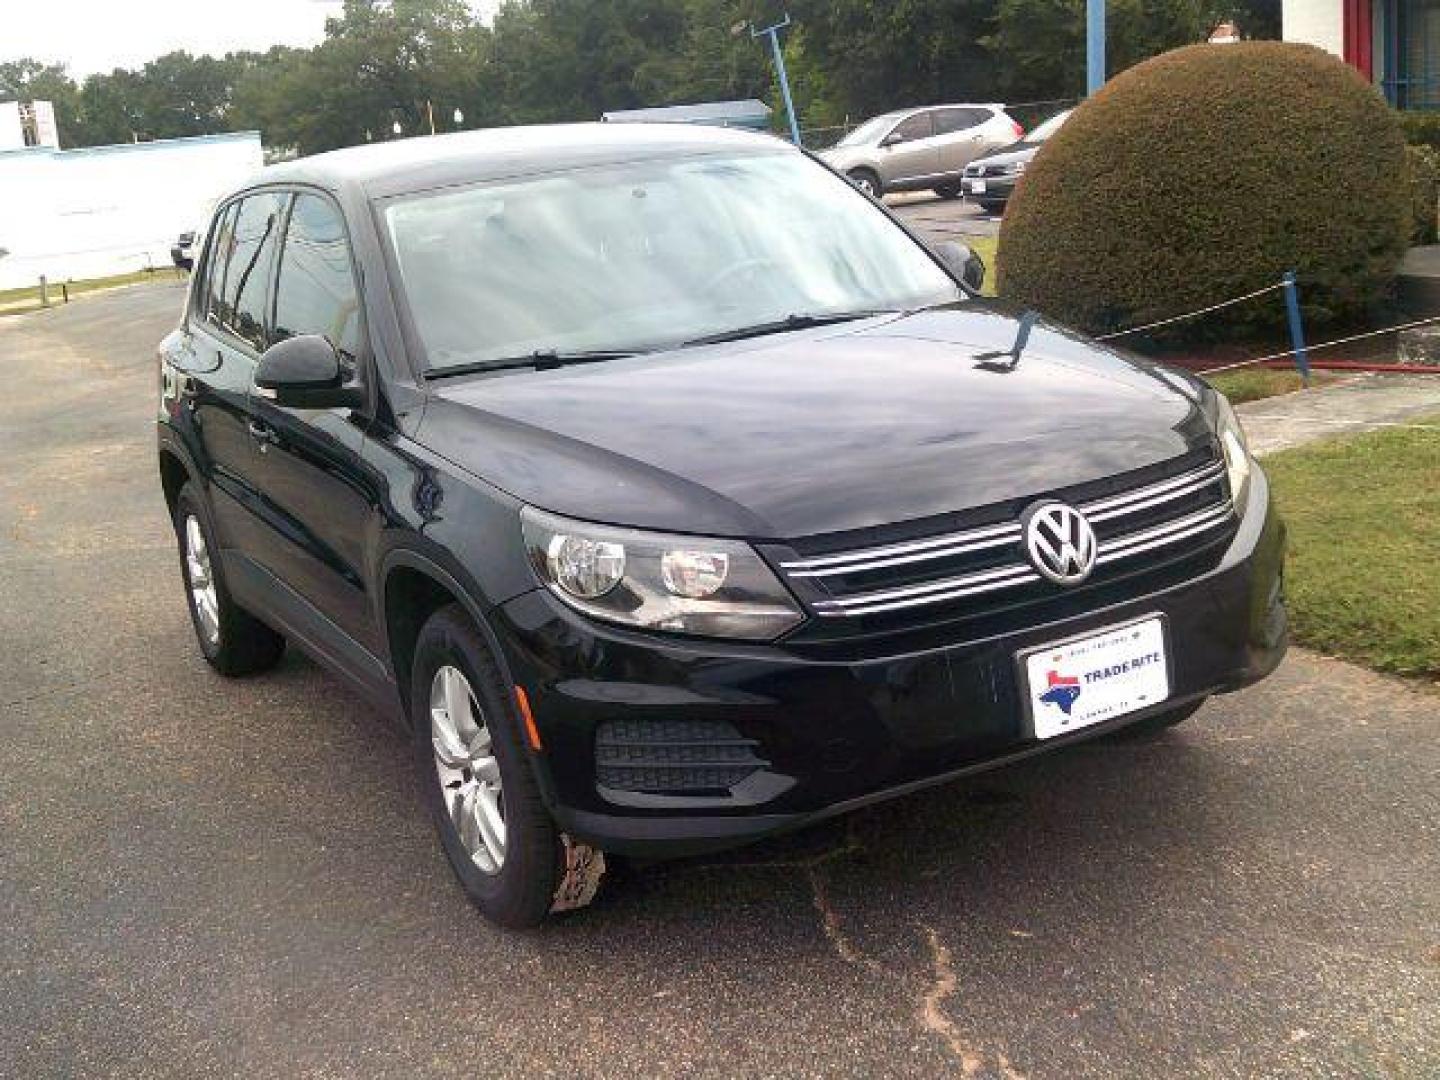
963, 263
304, 373
891, 140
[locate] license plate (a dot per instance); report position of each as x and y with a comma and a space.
977, 187
1088, 680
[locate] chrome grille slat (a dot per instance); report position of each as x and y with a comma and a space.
1156, 538
1014, 572
1011, 536
1120, 505
1000, 578
1010, 530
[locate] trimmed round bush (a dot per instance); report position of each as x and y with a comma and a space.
1424, 172
1206, 173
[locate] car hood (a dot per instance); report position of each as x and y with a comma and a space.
843, 157
1010, 155
809, 432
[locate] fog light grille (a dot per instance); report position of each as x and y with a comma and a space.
673, 757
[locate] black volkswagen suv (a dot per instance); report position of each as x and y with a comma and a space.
672, 494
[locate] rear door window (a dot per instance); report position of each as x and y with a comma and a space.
252, 258
222, 243
919, 126
315, 292
949, 121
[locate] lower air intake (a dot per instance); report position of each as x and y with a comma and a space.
673, 757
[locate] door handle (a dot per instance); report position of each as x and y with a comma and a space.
262, 433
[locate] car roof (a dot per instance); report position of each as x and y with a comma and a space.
401, 166
947, 105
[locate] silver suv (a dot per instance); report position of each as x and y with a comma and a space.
921, 148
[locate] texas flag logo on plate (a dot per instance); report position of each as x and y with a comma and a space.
1062, 692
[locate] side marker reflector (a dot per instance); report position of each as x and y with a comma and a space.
532, 733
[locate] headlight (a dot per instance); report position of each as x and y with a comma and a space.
1237, 454
683, 584
1018, 168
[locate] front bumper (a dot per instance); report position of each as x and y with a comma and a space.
988, 188
840, 734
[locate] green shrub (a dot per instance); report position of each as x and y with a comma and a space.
1206, 173
1421, 128
1423, 169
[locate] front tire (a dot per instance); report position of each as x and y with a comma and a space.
475, 778
992, 206
233, 641
868, 181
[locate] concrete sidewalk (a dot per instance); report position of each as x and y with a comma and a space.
1359, 404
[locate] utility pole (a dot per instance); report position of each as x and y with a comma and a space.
773, 33
1094, 45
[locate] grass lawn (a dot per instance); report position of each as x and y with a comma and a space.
985, 247
28, 297
1364, 566
1252, 384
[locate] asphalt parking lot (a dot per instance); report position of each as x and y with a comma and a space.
943, 219
205, 877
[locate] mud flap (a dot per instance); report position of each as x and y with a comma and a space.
584, 867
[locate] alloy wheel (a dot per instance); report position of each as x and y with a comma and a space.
467, 768
202, 581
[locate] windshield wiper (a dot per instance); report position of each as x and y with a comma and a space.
779, 326
540, 360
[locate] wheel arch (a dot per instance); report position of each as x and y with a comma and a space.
175, 471
414, 587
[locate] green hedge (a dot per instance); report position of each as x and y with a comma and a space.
1423, 169
1421, 128
1205, 173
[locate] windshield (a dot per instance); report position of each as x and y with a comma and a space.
647, 254
870, 131
1048, 128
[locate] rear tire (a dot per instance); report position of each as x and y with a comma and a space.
1160, 723
948, 191
991, 206
868, 181
483, 779
232, 640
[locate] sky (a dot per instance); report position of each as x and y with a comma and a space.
90, 36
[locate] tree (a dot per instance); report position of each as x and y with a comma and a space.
28, 79
384, 62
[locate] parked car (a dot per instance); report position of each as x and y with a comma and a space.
991, 180
915, 149
671, 494
183, 251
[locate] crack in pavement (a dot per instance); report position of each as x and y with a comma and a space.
939, 1024
833, 931
931, 1013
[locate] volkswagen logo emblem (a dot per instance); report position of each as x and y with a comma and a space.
1060, 542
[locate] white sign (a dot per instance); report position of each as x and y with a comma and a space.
46, 131
12, 133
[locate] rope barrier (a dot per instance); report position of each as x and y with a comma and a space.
1323, 345
1193, 314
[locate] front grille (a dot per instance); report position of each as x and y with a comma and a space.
673, 757
986, 170
1163, 516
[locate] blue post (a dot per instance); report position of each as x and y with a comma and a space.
773, 33
1094, 45
1297, 329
